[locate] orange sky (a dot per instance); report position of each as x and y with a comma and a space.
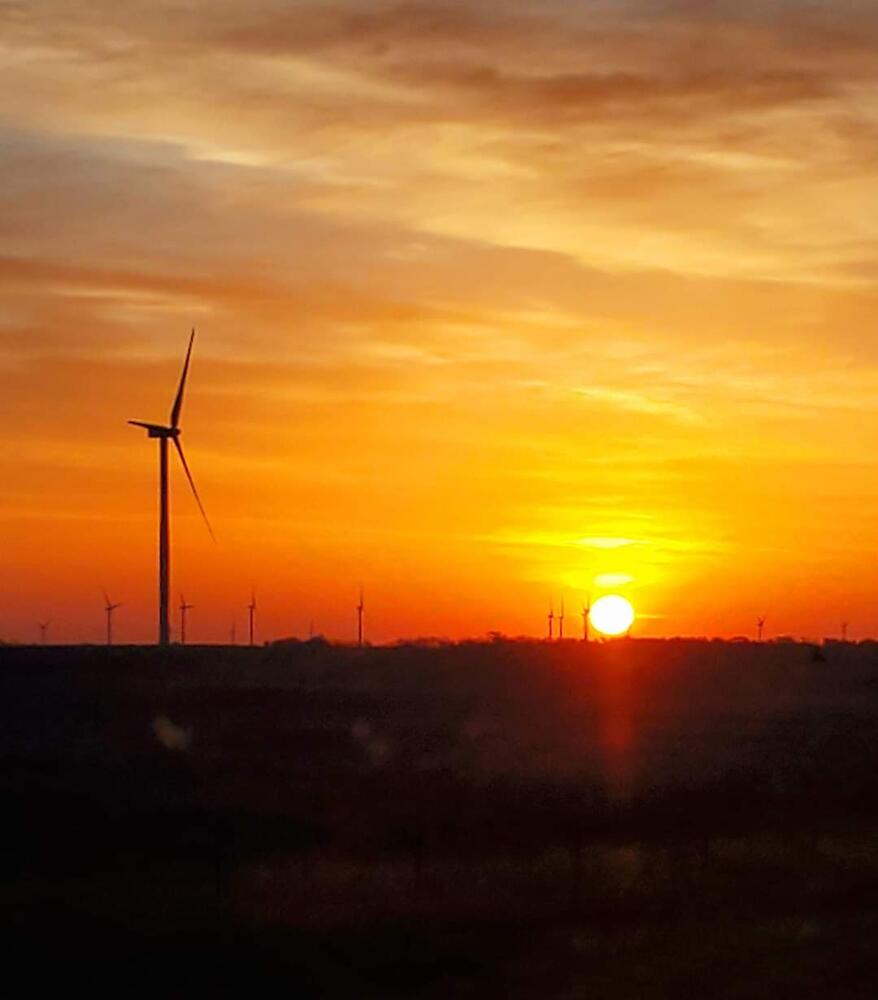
497, 304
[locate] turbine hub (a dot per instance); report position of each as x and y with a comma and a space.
156, 430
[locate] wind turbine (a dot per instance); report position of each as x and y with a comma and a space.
251, 608
586, 611
43, 629
184, 607
844, 631
561, 621
165, 434
551, 618
109, 607
760, 625
360, 608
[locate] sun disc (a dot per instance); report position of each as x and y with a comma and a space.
611, 615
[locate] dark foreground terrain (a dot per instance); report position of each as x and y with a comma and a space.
630, 820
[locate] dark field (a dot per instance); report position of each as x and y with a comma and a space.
631, 820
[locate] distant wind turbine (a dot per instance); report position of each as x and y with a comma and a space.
551, 617
251, 608
165, 434
109, 607
184, 608
360, 608
561, 621
43, 629
844, 631
760, 625
586, 611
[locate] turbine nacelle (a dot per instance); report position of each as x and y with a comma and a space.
156, 430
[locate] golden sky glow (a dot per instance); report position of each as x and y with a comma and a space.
497, 304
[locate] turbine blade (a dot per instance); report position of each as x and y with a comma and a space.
179, 448
178, 401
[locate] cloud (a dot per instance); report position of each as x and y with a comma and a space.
597, 127
637, 402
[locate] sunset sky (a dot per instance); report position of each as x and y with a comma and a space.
496, 304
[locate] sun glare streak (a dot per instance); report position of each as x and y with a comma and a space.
613, 579
606, 543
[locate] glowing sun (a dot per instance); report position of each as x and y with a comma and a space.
611, 615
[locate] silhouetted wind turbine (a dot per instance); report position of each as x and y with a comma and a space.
184, 607
586, 611
360, 608
844, 631
551, 620
43, 629
165, 434
251, 608
561, 621
760, 625
109, 607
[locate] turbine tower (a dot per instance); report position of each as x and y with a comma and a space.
561, 621
360, 608
586, 611
43, 629
760, 625
251, 608
109, 607
165, 434
184, 607
551, 617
